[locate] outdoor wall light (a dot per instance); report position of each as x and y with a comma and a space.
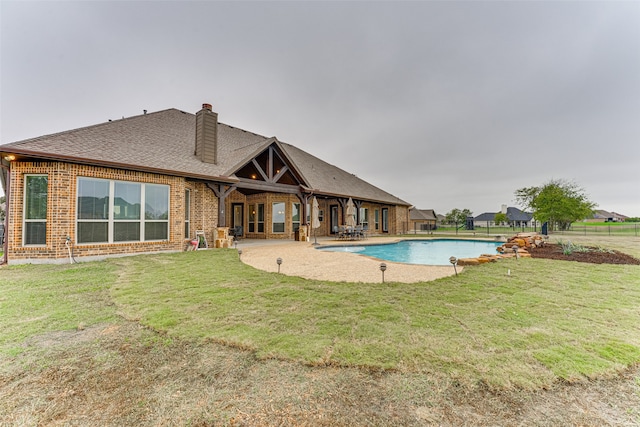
454, 261
279, 262
383, 267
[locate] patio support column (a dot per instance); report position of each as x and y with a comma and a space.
6, 166
357, 204
343, 204
222, 194
304, 199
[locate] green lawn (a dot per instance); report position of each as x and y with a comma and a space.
546, 320
36, 299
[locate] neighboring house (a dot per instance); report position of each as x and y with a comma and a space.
516, 217
422, 219
148, 183
619, 217
600, 215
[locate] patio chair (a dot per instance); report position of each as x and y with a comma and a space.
237, 232
200, 241
350, 232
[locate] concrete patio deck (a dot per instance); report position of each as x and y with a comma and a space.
304, 260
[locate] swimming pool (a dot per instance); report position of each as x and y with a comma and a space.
427, 252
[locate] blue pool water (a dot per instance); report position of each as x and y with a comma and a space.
427, 252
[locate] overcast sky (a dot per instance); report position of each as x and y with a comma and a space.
443, 104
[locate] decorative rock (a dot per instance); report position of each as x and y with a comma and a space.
523, 241
519, 242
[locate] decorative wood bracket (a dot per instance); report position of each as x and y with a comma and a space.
221, 193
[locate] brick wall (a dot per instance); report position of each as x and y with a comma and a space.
61, 212
204, 210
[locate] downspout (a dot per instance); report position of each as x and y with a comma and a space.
7, 199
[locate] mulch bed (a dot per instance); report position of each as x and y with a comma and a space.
593, 255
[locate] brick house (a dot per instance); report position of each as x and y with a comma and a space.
147, 183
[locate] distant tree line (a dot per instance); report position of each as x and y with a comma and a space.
559, 203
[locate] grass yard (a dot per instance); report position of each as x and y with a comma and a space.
543, 322
223, 341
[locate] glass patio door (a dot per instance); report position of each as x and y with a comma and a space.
334, 218
237, 218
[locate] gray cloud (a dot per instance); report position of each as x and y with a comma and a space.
444, 104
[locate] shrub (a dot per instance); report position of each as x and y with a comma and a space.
568, 248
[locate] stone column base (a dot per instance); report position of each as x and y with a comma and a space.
222, 238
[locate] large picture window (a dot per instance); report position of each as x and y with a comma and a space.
156, 216
119, 211
35, 209
126, 211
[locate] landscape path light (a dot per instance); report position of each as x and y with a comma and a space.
240, 253
453, 260
515, 250
383, 267
279, 262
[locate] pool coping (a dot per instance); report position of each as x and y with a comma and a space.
480, 259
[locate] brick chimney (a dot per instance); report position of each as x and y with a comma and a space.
207, 135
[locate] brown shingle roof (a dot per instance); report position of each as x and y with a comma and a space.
164, 142
422, 215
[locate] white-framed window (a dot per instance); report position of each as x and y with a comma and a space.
35, 210
187, 213
295, 216
119, 211
277, 217
260, 217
